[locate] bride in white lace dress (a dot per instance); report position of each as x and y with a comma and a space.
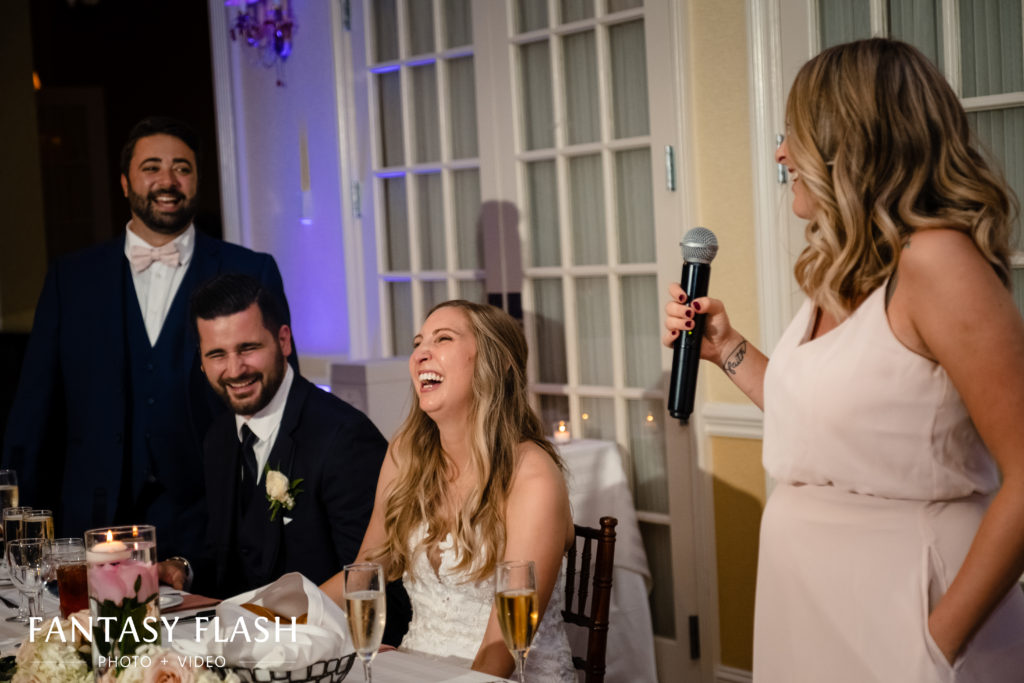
469, 481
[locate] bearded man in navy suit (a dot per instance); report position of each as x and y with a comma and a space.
294, 467
112, 358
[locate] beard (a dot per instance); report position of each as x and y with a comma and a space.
268, 383
163, 222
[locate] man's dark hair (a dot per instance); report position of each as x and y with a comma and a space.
230, 293
159, 125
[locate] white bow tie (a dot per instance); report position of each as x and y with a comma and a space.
143, 257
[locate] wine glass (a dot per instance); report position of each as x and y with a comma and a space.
67, 563
515, 600
13, 519
29, 561
364, 602
8, 494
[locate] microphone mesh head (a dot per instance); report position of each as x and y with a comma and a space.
699, 245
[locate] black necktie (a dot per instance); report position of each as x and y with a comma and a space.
249, 475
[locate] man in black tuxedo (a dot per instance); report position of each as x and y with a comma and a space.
291, 469
111, 359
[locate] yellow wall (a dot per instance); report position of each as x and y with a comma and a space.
724, 190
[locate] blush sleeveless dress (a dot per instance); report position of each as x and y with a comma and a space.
450, 614
881, 483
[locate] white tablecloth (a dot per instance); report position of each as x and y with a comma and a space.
403, 667
598, 487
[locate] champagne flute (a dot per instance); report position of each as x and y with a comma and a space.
13, 519
29, 562
8, 495
364, 602
515, 600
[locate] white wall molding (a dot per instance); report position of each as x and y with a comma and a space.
728, 674
223, 97
736, 420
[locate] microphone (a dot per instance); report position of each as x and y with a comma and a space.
699, 248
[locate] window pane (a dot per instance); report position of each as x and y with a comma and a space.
597, 415
580, 55
658, 546
420, 14
629, 79
647, 444
619, 5
641, 331
547, 295
472, 290
385, 30
434, 292
919, 23
389, 87
400, 296
1002, 133
425, 118
462, 104
841, 21
588, 229
458, 22
538, 111
466, 199
531, 15
595, 331
543, 197
990, 47
431, 216
552, 410
575, 10
635, 202
396, 220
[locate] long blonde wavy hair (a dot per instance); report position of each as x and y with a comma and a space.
884, 149
500, 419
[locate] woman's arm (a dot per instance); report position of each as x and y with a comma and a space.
538, 527
950, 306
722, 345
374, 536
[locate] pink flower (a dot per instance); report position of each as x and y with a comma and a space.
116, 581
168, 669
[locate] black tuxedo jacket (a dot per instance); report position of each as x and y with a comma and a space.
75, 373
336, 451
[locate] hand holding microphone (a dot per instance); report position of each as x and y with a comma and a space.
699, 248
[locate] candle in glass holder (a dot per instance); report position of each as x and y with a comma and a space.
562, 433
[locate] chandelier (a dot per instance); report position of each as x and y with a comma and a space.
267, 26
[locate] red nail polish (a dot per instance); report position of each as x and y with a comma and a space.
696, 306
688, 324
682, 298
689, 314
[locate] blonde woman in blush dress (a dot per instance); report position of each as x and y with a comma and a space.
893, 541
469, 481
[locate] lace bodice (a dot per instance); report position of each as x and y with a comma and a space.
450, 613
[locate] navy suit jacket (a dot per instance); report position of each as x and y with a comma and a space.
336, 451
77, 364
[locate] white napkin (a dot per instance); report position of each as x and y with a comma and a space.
323, 636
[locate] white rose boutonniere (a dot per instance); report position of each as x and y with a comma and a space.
281, 493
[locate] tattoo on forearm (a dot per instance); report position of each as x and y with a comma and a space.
733, 360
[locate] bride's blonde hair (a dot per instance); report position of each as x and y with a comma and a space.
500, 419
884, 149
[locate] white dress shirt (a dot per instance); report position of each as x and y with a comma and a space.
157, 285
265, 424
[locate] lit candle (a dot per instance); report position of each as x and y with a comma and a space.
108, 551
562, 434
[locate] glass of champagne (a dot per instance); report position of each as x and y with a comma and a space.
8, 495
364, 602
13, 519
515, 599
29, 560
37, 524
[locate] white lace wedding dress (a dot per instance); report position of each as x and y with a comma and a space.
450, 613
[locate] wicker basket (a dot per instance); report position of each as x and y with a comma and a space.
325, 671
